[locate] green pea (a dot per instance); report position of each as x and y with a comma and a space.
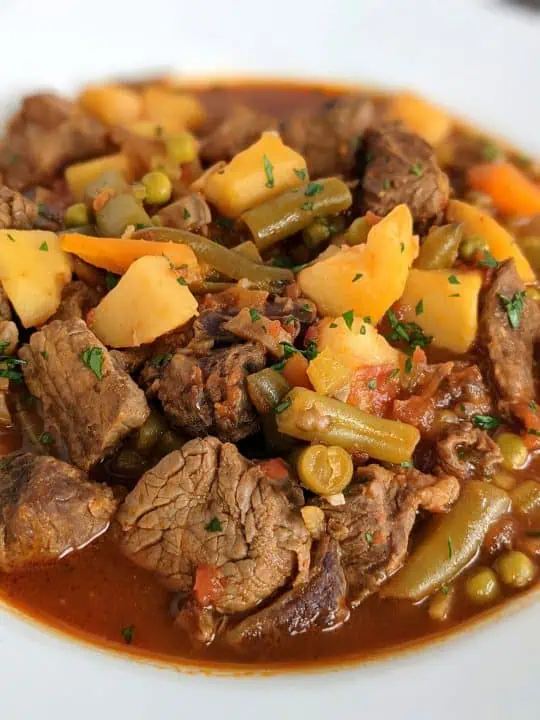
513, 449
158, 187
482, 587
515, 569
76, 215
470, 246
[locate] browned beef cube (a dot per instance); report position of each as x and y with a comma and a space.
88, 403
47, 509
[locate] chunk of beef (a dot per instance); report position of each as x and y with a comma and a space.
250, 325
374, 524
207, 506
319, 604
47, 133
510, 349
191, 212
240, 128
131, 359
88, 409
328, 137
400, 167
47, 509
77, 299
16, 211
209, 395
466, 451
9, 337
5, 305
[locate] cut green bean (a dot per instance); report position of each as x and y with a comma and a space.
225, 261
440, 248
109, 180
357, 232
266, 389
248, 250
306, 415
452, 543
296, 209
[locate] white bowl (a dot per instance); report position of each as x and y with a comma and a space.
481, 60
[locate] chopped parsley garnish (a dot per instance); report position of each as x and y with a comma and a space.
44, 354
488, 260
44, 247
372, 384
369, 537
283, 405
161, 359
533, 405
363, 330
92, 357
452, 279
10, 237
141, 226
311, 350
393, 374
386, 184
490, 152
533, 431
419, 309
408, 365
181, 281
46, 438
402, 247
300, 174
445, 589
269, 171
278, 366
4, 344
348, 318
313, 188
158, 130
358, 276
224, 223
411, 333
297, 268
367, 319
186, 214
416, 169
450, 548
514, 307
111, 280
486, 422
214, 525
309, 353
455, 295
127, 633
406, 464
9, 370
254, 315
333, 325
306, 206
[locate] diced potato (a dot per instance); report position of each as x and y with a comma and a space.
173, 110
255, 175
80, 175
449, 306
421, 117
501, 244
366, 278
360, 346
112, 104
33, 272
147, 302
328, 374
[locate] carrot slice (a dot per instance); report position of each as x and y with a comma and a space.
116, 254
295, 371
511, 190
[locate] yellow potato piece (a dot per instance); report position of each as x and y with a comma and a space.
501, 244
367, 278
176, 111
420, 116
255, 175
33, 272
79, 175
449, 304
112, 104
358, 347
328, 374
147, 302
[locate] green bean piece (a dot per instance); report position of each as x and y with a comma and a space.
526, 497
357, 232
149, 434
296, 209
482, 587
119, 212
209, 286
110, 180
440, 248
316, 234
306, 415
225, 261
514, 450
515, 569
248, 250
452, 543
531, 249
76, 215
266, 389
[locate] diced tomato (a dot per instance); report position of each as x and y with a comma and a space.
531, 420
311, 335
276, 468
274, 328
373, 389
209, 585
90, 317
419, 357
295, 371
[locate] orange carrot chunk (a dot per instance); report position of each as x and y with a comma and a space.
511, 190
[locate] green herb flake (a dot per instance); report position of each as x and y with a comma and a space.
386, 184
450, 548
214, 525
186, 214
127, 633
393, 374
406, 464
408, 365
297, 268
333, 325
533, 431
300, 174
419, 309
416, 169
490, 152
486, 422
254, 315
369, 538
278, 366
363, 330
311, 351
141, 226
313, 188
283, 405
181, 281
269, 172
348, 318
46, 438
224, 223
372, 384
445, 589
488, 260
160, 360
306, 206
514, 307
44, 354
402, 247
452, 279
367, 319
92, 357
44, 247
533, 406
357, 277
10, 237
111, 280
455, 295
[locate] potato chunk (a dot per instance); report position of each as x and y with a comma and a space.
33, 271
79, 175
448, 300
147, 302
255, 175
112, 104
365, 278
